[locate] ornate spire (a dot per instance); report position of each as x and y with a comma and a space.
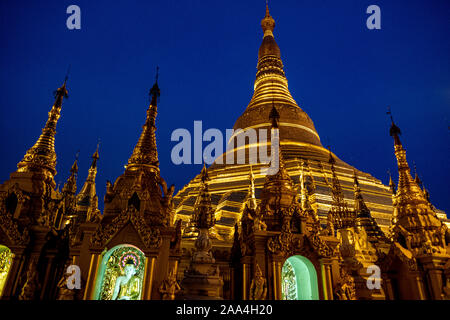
307, 199
203, 213
278, 192
270, 71
267, 23
312, 187
269, 47
360, 206
271, 89
407, 188
413, 216
416, 176
70, 187
42, 156
392, 185
394, 131
343, 217
87, 200
198, 279
145, 153
363, 217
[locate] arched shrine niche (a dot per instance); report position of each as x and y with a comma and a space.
121, 274
299, 279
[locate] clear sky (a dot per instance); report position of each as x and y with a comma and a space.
342, 74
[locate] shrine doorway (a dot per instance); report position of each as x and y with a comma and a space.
299, 279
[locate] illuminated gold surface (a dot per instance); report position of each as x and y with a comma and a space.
298, 139
316, 206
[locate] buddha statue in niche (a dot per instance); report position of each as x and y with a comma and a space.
128, 286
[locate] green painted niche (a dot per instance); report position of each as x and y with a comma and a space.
299, 279
121, 274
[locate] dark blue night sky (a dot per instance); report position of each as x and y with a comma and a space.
342, 74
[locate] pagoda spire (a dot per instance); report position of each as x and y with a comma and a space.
70, 187
337, 194
268, 23
42, 156
69, 191
416, 176
270, 77
278, 192
343, 217
363, 217
203, 212
145, 152
407, 187
199, 278
392, 185
360, 206
87, 200
413, 215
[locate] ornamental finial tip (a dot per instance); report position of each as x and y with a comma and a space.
268, 23
154, 91
67, 74
394, 131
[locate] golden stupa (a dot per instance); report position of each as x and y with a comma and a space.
317, 228
299, 141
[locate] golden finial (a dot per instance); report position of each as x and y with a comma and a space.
74, 168
67, 74
71, 185
95, 156
416, 176
394, 131
268, 23
154, 91
391, 183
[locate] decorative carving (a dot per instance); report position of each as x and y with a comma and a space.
32, 284
11, 229
170, 287
151, 237
281, 243
64, 293
345, 288
258, 287
175, 242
